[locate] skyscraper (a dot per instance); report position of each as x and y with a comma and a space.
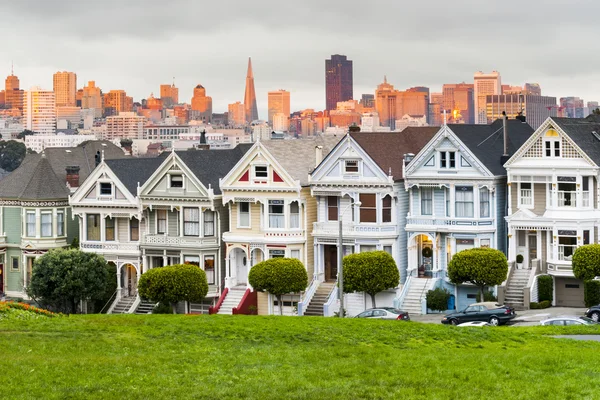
484, 85
458, 102
338, 81
250, 107
115, 101
65, 89
91, 98
13, 96
279, 103
169, 95
387, 104
202, 104
237, 114
536, 109
39, 111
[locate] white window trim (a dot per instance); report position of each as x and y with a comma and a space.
519, 203
106, 196
166, 232
447, 152
239, 213
35, 223
553, 140
129, 231
170, 175
64, 231
358, 167
51, 224
259, 178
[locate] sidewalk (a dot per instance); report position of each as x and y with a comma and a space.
527, 317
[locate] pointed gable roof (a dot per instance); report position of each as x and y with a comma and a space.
387, 149
580, 131
486, 142
298, 156
34, 180
134, 171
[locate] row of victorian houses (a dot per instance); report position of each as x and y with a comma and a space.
422, 195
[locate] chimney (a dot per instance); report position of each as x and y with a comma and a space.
521, 117
353, 128
408, 157
318, 155
203, 137
505, 131
97, 157
73, 175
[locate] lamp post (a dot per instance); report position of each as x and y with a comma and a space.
341, 256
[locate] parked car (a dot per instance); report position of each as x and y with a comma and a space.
593, 313
475, 323
568, 321
495, 314
384, 313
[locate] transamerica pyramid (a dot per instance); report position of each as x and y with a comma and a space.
250, 95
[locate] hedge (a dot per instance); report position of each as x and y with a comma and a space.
540, 305
591, 293
437, 299
545, 288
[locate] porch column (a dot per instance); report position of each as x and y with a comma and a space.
555, 244
476, 204
512, 243
316, 265
452, 196
579, 190
509, 198
118, 281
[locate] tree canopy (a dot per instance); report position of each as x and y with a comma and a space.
61, 278
586, 262
172, 284
12, 154
24, 133
479, 266
279, 276
370, 272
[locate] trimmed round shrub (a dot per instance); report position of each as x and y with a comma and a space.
586, 262
172, 284
370, 272
279, 276
591, 290
519, 259
437, 299
480, 266
545, 288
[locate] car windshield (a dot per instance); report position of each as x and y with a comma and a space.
587, 321
393, 310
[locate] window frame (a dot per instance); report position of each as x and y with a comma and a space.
104, 185
42, 215
12, 263
280, 216
297, 223
240, 213
205, 258
354, 166
60, 223
190, 222
422, 190
276, 253
260, 177
28, 224
97, 222
208, 223
464, 203
113, 229
179, 182
158, 220
485, 191
386, 210
331, 208
365, 210
131, 230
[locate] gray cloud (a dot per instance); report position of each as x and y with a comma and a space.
137, 45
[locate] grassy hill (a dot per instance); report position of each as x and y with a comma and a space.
239, 357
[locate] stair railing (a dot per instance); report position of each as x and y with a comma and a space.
329, 308
399, 301
135, 305
215, 309
110, 301
308, 295
249, 299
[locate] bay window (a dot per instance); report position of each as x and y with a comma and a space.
244, 211
30, 228
60, 223
93, 227
46, 221
209, 269
294, 215
209, 223
332, 208
191, 221
134, 229
426, 201
276, 214
161, 221
109, 229
484, 203
386, 209
464, 201
526, 194
368, 207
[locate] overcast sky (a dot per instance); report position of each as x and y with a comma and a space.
137, 45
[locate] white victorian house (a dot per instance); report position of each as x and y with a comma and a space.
457, 190
360, 183
554, 208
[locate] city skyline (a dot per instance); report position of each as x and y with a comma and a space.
145, 61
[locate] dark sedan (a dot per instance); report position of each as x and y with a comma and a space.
493, 313
593, 313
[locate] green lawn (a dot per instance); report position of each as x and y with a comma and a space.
237, 357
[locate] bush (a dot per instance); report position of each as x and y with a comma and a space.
437, 299
488, 295
586, 262
540, 305
480, 266
519, 259
370, 272
545, 288
172, 284
162, 308
591, 293
279, 276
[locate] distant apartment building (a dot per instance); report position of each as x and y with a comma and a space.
369, 122
236, 114
91, 98
39, 111
281, 122
115, 102
346, 113
165, 132
38, 143
152, 103
484, 85
202, 104
535, 109
415, 101
65, 89
410, 120
458, 103
338, 80
125, 125
278, 103
10, 128
532, 88
367, 101
261, 132
386, 103
572, 107
68, 117
13, 95
169, 95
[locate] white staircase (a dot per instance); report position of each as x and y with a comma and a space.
514, 288
315, 307
233, 298
123, 305
416, 292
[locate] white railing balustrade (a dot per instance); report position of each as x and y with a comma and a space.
333, 304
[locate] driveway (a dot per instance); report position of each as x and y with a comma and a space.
524, 318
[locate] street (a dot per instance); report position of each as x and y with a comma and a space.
524, 318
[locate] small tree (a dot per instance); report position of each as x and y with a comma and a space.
279, 276
480, 266
370, 272
586, 262
172, 284
62, 278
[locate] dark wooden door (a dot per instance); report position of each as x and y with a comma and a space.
330, 263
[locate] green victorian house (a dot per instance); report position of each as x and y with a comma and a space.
35, 215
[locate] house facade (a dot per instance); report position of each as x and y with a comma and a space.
457, 200
360, 183
553, 208
271, 212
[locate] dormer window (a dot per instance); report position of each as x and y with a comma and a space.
177, 181
261, 171
447, 159
552, 143
105, 189
351, 166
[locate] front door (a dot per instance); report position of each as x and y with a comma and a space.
241, 267
331, 261
131, 280
532, 248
